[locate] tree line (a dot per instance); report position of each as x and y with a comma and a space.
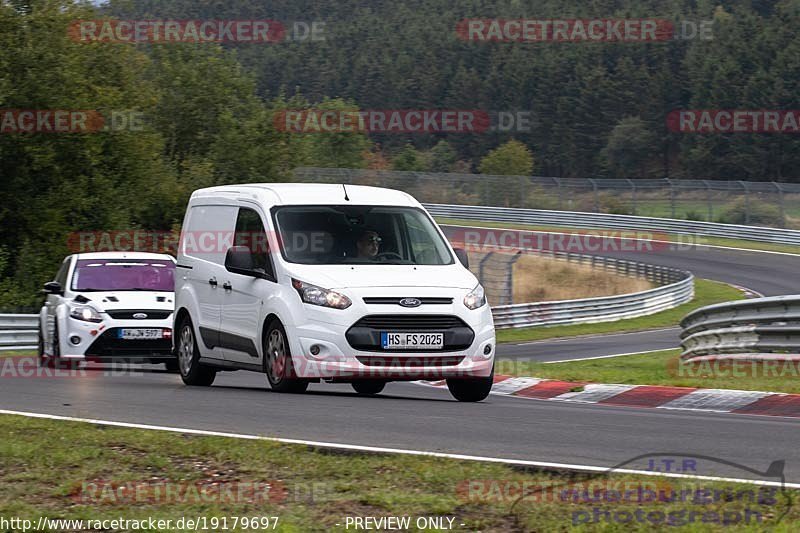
596, 109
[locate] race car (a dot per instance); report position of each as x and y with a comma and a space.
109, 307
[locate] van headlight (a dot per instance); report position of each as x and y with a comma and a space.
85, 313
311, 294
475, 298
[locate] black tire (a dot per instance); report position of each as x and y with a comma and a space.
54, 361
44, 361
471, 389
278, 364
173, 366
369, 387
192, 372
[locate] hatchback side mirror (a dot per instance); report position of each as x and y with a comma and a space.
239, 260
462, 256
53, 287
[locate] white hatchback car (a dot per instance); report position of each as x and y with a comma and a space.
111, 306
310, 282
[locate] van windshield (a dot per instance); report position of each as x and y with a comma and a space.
330, 234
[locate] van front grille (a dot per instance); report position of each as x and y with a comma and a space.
410, 322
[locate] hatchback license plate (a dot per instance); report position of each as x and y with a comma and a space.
140, 334
423, 341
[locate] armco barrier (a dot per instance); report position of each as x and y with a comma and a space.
761, 326
574, 219
19, 332
602, 309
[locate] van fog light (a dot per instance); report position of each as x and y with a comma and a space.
315, 349
75, 340
487, 349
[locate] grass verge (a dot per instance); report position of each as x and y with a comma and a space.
677, 238
67, 470
19, 353
706, 293
665, 368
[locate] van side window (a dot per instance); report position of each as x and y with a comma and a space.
250, 232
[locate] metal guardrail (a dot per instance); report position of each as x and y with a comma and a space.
607, 221
677, 287
760, 326
730, 201
19, 332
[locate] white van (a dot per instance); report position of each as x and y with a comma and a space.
310, 282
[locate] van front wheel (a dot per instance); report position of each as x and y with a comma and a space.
278, 361
471, 389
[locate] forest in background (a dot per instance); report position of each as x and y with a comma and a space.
598, 109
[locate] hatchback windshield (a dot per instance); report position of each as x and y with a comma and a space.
360, 235
124, 275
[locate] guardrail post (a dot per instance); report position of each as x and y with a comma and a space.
781, 205
746, 201
560, 195
596, 196
481, 267
708, 199
633, 194
510, 278
671, 196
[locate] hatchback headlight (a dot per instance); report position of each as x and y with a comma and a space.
85, 313
311, 294
475, 298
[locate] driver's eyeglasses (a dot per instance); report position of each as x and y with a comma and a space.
373, 240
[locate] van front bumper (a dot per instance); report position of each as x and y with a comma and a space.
325, 351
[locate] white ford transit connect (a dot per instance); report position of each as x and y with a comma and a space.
310, 282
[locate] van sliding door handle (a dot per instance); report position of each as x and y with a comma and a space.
227, 286
213, 282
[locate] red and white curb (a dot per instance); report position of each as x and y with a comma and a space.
648, 396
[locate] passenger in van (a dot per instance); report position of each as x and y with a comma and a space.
368, 245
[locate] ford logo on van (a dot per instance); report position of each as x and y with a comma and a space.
410, 302
139, 316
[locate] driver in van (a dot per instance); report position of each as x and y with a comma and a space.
368, 245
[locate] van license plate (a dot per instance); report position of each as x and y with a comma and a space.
140, 334
422, 341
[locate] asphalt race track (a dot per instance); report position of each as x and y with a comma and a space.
415, 417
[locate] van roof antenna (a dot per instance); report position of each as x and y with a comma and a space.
346, 199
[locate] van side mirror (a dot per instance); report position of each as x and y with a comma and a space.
53, 287
462, 256
239, 260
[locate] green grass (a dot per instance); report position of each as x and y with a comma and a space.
22, 353
677, 238
706, 293
664, 368
46, 465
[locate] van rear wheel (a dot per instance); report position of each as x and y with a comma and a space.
192, 372
471, 389
278, 364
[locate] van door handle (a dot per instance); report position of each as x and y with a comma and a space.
213, 282
227, 286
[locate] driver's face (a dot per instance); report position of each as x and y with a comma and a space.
368, 245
